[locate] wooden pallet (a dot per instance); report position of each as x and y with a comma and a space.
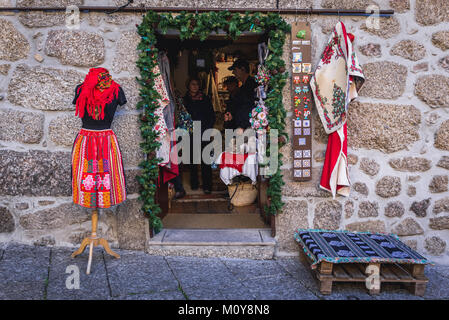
409, 275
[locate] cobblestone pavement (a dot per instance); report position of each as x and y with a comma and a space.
29, 272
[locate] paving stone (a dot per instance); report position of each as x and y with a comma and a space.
297, 270
279, 288
92, 287
348, 291
394, 291
438, 285
250, 269
234, 291
204, 273
442, 270
236, 235
23, 272
158, 295
137, 272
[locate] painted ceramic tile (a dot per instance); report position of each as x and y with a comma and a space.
306, 68
296, 67
297, 173
297, 56
297, 164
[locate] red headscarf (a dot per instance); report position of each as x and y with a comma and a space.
97, 90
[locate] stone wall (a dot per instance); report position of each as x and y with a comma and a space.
398, 129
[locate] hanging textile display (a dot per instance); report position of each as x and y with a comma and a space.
98, 179
170, 169
161, 127
259, 114
336, 81
301, 99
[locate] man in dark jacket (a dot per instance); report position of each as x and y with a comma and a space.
242, 102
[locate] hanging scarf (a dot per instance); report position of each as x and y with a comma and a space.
334, 84
97, 90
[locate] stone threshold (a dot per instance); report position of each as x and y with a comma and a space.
216, 237
226, 243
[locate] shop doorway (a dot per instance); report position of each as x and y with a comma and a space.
209, 60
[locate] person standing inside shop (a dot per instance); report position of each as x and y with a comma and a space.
200, 108
242, 102
231, 84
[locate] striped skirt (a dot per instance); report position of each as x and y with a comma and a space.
98, 179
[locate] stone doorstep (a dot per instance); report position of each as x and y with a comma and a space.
230, 243
218, 237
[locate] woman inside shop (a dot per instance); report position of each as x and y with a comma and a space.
200, 108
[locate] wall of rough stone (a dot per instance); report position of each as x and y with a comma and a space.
398, 129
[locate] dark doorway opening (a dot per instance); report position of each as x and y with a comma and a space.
209, 60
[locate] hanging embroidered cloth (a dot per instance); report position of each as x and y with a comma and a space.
334, 84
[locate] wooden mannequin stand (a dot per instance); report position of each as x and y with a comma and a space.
93, 241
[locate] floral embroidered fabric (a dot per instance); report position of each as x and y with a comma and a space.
159, 86
331, 83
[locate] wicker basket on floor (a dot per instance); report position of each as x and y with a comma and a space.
245, 194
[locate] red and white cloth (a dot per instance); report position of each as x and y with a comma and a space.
235, 164
335, 83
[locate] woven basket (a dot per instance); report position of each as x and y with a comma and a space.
245, 195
